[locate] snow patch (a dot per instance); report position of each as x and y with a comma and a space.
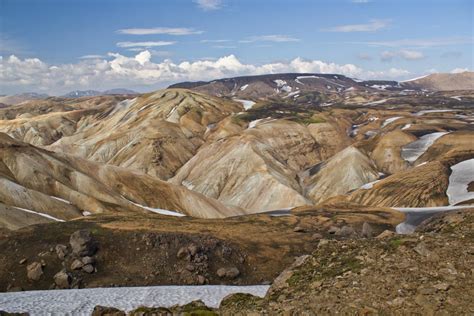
377, 102
390, 120
407, 126
158, 210
434, 111
281, 84
414, 150
83, 301
244, 87
369, 185
59, 199
248, 104
381, 86
38, 213
415, 78
462, 174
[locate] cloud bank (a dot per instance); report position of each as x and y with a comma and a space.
139, 71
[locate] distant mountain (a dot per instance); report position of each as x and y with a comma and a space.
285, 85
92, 93
118, 91
81, 93
19, 98
443, 82
293, 84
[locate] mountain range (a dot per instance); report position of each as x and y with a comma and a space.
227, 181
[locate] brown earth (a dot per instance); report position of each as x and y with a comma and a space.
143, 249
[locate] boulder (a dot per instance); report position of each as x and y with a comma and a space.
83, 243
89, 268
385, 234
193, 249
367, 230
63, 279
107, 311
201, 280
182, 253
76, 264
230, 273
88, 260
345, 231
61, 251
298, 229
333, 230
34, 271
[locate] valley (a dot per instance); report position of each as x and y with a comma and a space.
227, 182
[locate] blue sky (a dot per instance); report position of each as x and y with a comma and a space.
79, 44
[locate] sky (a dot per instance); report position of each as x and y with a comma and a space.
55, 46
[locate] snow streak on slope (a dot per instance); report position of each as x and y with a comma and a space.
462, 174
248, 104
414, 150
158, 210
390, 120
83, 301
38, 213
434, 111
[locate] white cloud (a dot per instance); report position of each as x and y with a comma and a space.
372, 26
144, 44
209, 5
387, 56
411, 54
459, 70
405, 54
276, 38
360, 1
139, 71
160, 30
158, 53
92, 57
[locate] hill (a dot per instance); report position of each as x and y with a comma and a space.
443, 82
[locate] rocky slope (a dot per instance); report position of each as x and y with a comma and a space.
252, 249
155, 133
428, 272
53, 186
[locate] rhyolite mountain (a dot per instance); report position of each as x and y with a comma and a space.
227, 181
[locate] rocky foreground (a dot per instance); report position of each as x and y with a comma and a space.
429, 272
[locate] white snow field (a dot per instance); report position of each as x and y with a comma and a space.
390, 120
83, 301
462, 174
414, 150
248, 104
